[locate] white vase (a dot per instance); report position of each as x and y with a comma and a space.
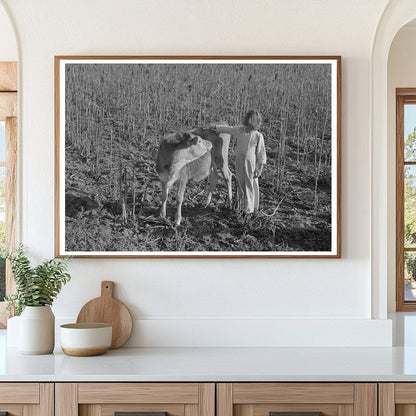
37, 330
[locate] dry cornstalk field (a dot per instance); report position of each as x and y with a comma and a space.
115, 117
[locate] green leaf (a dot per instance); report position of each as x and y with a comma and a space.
35, 286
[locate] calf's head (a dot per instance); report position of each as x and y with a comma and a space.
182, 139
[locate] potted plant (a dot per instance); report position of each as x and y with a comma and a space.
36, 289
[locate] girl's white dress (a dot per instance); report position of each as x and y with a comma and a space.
250, 154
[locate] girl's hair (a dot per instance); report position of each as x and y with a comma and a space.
253, 119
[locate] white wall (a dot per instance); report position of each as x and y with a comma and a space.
8, 47
201, 299
401, 74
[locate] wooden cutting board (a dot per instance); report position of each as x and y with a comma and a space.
107, 309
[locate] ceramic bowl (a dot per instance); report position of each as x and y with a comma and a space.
83, 340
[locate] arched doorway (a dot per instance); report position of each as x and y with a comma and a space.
395, 16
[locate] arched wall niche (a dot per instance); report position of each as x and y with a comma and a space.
9, 46
396, 15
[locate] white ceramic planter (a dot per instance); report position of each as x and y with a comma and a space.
37, 330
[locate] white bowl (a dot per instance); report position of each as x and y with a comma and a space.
83, 340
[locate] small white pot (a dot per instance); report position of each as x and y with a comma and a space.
37, 330
85, 339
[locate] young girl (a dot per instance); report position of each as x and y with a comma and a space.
249, 160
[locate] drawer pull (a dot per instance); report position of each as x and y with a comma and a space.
140, 414
295, 413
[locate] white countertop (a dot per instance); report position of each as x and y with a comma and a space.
215, 364
221, 364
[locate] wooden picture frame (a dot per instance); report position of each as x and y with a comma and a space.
115, 115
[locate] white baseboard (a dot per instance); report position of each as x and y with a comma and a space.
188, 332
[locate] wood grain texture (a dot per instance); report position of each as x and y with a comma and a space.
244, 410
109, 310
57, 152
400, 305
90, 410
138, 393
405, 410
11, 196
405, 393
346, 410
207, 399
8, 76
237, 409
31, 410
190, 410
25, 393
339, 158
11, 208
8, 109
386, 399
326, 409
84, 352
405, 91
171, 409
339, 393
224, 401
66, 399
198, 57
110, 409
365, 399
13, 409
8, 105
47, 399
403, 96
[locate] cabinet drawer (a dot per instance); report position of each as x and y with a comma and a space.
19, 393
147, 399
138, 393
21, 399
397, 399
296, 399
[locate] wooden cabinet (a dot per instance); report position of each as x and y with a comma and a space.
107, 399
208, 399
397, 399
264, 399
27, 399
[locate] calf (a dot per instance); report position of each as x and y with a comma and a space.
181, 157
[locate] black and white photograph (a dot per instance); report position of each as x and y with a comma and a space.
198, 156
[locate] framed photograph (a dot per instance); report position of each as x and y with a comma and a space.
198, 156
